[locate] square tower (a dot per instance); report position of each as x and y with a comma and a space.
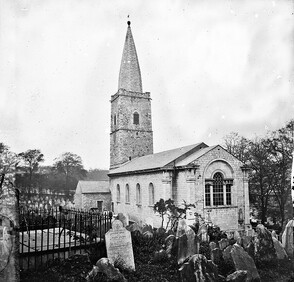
131, 124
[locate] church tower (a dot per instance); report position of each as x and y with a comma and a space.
131, 126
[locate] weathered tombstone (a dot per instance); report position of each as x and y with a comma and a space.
280, 251
134, 227
182, 227
9, 247
124, 219
119, 246
242, 261
274, 234
198, 268
212, 245
216, 256
264, 245
287, 238
203, 233
190, 217
237, 276
187, 245
170, 244
236, 235
227, 254
223, 243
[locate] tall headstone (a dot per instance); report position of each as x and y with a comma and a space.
119, 246
287, 238
9, 241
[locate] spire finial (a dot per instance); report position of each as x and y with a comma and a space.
128, 22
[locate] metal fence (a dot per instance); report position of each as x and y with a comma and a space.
58, 233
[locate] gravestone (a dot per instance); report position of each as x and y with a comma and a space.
187, 245
9, 240
182, 228
203, 233
287, 238
119, 246
243, 261
190, 217
223, 243
280, 251
123, 218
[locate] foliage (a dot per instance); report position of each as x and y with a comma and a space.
269, 159
70, 165
8, 161
167, 209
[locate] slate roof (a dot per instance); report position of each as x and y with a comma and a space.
194, 156
158, 160
86, 187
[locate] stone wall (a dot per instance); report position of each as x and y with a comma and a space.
126, 138
188, 185
89, 200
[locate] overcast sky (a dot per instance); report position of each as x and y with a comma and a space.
212, 67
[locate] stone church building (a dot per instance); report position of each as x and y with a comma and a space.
207, 176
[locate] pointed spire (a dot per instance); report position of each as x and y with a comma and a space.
130, 74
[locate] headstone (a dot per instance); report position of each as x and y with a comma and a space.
280, 251
287, 238
203, 233
119, 246
182, 227
9, 240
124, 219
212, 245
216, 256
242, 261
237, 276
190, 217
187, 245
223, 243
236, 235
198, 268
227, 254
103, 265
263, 245
134, 227
169, 245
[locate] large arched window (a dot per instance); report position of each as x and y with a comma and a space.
136, 118
118, 193
218, 189
127, 193
138, 194
151, 194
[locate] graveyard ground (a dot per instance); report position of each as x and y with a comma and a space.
77, 267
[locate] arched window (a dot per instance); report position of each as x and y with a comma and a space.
138, 194
114, 119
136, 118
218, 189
207, 195
151, 194
127, 193
118, 193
